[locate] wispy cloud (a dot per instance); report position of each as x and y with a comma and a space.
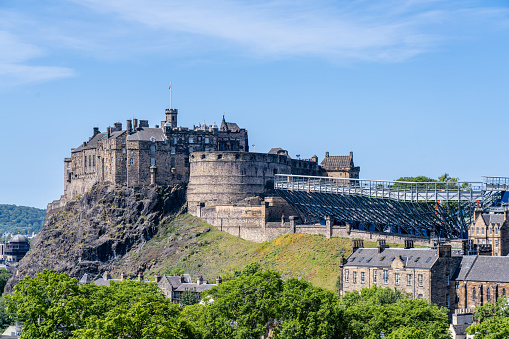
15, 69
359, 30
375, 31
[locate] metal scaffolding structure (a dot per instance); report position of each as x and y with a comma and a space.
420, 208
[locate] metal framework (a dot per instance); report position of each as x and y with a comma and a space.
420, 208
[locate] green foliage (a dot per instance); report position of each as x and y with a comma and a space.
250, 306
4, 276
54, 305
5, 321
379, 310
189, 297
249, 269
21, 219
493, 320
176, 272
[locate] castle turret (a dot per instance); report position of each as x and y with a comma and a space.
171, 116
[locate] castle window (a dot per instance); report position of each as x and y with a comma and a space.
93, 161
474, 294
207, 149
396, 278
191, 140
174, 141
172, 162
447, 301
419, 278
152, 161
123, 150
173, 150
354, 277
419, 296
346, 275
488, 294
235, 147
219, 156
386, 277
153, 149
482, 230
206, 140
131, 161
496, 243
123, 141
374, 277
447, 282
362, 277
496, 230
191, 150
409, 279
491, 231
503, 291
275, 170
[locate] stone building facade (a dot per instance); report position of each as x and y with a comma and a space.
141, 155
480, 279
424, 273
340, 166
491, 229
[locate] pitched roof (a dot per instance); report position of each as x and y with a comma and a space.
412, 258
483, 268
337, 162
493, 218
85, 279
146, 134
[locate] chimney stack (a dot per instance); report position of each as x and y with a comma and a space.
109, 131
219, 280
135, 123
158, 278
118, 126
409, 243
96, 131
129, 126
199, 281
381, 245
356, 244
140, 276
122, 276
106, 275
326, 154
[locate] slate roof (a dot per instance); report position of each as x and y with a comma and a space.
146, 134
229, 126
483, 268
412, 258
102, 282
85, 279
493, 218
339, 161
460, 329
95, 140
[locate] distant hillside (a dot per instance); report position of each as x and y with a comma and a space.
21, 219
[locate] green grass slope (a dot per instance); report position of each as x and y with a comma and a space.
196, 247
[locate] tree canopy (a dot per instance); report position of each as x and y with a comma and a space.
493, 320
21, 219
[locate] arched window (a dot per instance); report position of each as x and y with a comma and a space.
474, 295
488, 294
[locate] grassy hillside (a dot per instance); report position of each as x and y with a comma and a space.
196, 247
21, 219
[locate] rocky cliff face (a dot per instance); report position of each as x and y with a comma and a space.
93, 232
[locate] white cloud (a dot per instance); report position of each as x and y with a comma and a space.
14, 70
381, 31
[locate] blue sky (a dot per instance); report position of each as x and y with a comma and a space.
411, 87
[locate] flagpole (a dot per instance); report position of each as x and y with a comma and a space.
170, 96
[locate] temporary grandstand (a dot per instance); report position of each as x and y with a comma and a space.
443, 209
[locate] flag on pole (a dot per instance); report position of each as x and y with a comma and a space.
170, 86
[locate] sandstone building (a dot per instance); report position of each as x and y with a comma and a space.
424, 273
141, 155
491, 229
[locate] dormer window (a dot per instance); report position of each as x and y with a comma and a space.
153, 139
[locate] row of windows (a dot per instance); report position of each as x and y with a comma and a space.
385, 277
488, 293
483, 241
482, 230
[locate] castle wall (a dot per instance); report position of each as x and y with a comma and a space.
227, 178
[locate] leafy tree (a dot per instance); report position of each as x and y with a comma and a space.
54, 305
21, 219
4, 276
189, 297
254, 305
378, 310
5, 321
493, 320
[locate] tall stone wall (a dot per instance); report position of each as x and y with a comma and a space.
227, 178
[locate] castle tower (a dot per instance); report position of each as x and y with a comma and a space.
171, 116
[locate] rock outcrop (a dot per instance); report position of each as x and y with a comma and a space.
92, 233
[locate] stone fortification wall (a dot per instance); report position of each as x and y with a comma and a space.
228, 178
